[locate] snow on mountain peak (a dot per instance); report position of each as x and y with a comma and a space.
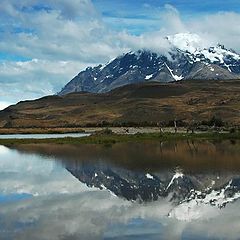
196, 46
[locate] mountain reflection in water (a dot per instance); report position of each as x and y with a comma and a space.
158, 186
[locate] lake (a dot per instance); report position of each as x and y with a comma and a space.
150, 190
42, 136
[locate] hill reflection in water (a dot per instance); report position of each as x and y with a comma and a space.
174, 190
147, 171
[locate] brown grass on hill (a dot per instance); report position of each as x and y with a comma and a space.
149, 104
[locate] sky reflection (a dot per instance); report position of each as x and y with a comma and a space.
40, 199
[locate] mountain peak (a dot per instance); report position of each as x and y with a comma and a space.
188, 58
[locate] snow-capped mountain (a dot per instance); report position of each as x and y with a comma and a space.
186, 59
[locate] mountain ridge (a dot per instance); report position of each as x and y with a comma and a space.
182, 61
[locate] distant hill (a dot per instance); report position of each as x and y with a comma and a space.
185, 59
151, 102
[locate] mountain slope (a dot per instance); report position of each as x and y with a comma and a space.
137, 103
183, 61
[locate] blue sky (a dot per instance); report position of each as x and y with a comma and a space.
44, 43
150, 11
190, 7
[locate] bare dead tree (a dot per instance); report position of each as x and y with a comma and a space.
160, 127
175, 125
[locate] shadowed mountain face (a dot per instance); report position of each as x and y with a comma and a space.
138, 103
216, 63
184, 172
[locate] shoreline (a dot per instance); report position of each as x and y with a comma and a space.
115, 130
112, 138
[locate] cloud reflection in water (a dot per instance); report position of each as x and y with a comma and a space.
64, 208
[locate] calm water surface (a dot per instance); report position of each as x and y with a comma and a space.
42, 136
159, 190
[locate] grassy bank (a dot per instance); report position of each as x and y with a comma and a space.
116, 138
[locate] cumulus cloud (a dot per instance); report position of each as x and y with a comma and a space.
35, 78
48, 34
212, 29
172, 20
153, 41
219, 28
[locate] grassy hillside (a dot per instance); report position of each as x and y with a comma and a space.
149, 103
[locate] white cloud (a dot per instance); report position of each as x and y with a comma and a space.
219, 28
212, 29
51, 35
172, 20
153, 41
35, 78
